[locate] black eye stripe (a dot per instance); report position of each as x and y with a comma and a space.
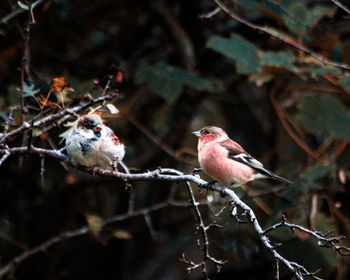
90, 125
206, 132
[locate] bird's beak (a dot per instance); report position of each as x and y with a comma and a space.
197, 133
98, 128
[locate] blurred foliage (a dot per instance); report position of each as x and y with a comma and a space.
179, 73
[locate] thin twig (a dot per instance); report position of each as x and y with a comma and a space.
323, 239
150, 226
282, 38
341, 6
64, 114
84, 230
24, 68
4, 157
204, 245
289, 129
288, 14
277, 275
15, 13
156, 140
107, 86
210, 14
179, 33
173, 175
129, 188
8, 121
42, 170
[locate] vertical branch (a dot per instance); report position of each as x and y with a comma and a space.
150, 226
8, 121
183, 40
42, 170
277, 276
4, 157
25, 64
107, 86
128, 186
205, 246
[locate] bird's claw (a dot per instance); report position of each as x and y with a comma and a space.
196, 170
94, 170
211, 183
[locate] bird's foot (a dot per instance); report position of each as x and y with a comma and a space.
94, 170
196, 170
212, 183
209, 185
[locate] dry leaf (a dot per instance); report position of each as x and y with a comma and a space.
112, 109
94, 224
122, 234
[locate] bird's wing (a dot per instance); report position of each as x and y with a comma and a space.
109, 133
236, 152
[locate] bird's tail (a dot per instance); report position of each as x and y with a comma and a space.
264, 173
274, 176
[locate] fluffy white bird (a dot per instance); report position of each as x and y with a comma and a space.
93, 144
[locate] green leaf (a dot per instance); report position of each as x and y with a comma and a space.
320, 70
168, 81
295, 17
345, 83
262, 7
243, 52
324, 115
279, 59
29, 90
316, 13
71, 126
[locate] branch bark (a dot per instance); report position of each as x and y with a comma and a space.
173, 175
284, 39
55, 119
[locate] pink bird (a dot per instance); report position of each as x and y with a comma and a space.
226, 161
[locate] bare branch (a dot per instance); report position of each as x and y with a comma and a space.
277, 275
150, 226
15, 13
128, 187
58, 117
4, 157
282, 38
84, 230
211, 14
42, 170
24, 68
179, 33
156, 140
341, 6
205, 240
323, 240
173, 175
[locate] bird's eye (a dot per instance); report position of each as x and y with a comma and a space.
89, 125
206, 132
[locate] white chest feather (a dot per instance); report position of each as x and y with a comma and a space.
89, 149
